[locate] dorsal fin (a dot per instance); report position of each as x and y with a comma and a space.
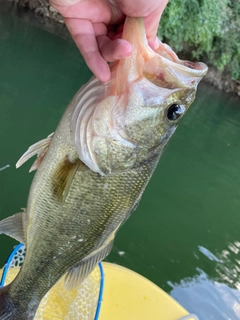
40, 148
13, 226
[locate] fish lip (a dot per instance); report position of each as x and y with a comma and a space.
195, 65
160, 65
170, 74
194, 71
165, 51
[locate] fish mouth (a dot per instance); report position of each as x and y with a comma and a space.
160, 66
166, 70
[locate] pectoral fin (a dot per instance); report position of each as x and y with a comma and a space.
13, 226
81, 270
63, 176
40, 148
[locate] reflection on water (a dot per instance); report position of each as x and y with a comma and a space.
185, 234
229, 269
5, 167
207, 298
208, 254
211, 298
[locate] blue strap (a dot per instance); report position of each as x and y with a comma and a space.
18, 247
7, 265
100, 291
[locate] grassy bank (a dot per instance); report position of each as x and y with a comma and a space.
207, 30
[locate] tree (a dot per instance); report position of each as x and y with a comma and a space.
208, 29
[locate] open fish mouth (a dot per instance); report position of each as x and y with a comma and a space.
160, 66
166, 70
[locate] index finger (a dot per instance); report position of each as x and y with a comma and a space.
152, 22
83, 34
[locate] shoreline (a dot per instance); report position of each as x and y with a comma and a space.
43, 9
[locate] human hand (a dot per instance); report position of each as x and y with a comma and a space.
96, 27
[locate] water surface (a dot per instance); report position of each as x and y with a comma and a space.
185, 234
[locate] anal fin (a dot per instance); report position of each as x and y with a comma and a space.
40, 148
13, 226
79, 272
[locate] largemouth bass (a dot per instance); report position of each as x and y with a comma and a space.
92, 171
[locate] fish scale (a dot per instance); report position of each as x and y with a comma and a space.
92, 172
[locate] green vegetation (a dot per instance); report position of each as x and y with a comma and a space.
208, 29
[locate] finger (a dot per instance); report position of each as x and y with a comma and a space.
152, 23
114, 50
95, 10
151, 26
83, 34
139, 8
151, 10
64, 2
100, 29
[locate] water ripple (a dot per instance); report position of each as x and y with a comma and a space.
5, 167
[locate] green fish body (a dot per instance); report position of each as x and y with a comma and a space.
92, 171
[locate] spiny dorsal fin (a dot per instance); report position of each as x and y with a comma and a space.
78, 273
63, 176
40, 148
13, 226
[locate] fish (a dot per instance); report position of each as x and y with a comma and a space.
92, 171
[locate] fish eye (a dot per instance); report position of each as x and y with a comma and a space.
175, 111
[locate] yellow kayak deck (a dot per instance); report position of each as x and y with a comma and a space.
126, 296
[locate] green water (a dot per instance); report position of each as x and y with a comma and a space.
185, 234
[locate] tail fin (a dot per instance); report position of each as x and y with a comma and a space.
13, 310
7, 309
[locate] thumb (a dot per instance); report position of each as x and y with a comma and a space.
65, 3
